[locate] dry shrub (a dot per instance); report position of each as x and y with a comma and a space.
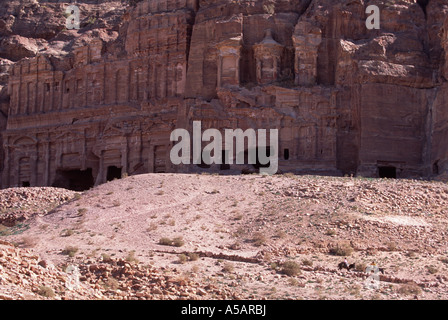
410, 288
182, 258
291, 268
228, 267
341, 249
131, 257
28, 242
360, 267
432, 269
46, 292
259, 239
193, 256
307, 262
70, 251
176, 242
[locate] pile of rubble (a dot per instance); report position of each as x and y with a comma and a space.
23, 275
404, 197
18, 204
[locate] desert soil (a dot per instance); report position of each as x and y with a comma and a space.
200, 236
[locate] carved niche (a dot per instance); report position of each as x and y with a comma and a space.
229, 61
268, 54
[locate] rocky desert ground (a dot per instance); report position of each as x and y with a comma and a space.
202, 236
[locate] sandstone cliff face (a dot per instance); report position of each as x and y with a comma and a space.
346, 100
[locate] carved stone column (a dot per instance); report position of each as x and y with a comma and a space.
307, 39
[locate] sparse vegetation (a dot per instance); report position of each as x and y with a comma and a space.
165, 242
291, 268
46, 292
409, 289
432, 269
77, 196
444, 260
131, 257
281, 234
106, 258
259, 239
28, 241
152, 227
67, 232
176, 242
70, 251
391, 246
343, 249
228, 267
116, 203
111, 284
360, 267
182, 258
193, 256
307, 262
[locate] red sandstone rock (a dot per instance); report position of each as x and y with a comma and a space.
101, 102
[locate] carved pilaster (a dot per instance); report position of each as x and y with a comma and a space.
307, 39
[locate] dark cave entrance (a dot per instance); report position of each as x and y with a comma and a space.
435, 167
259, 150
224, 165
423, 4
265, 151
113, 172
286, 154
387, 172
76, 180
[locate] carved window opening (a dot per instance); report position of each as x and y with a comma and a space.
286, 154
25, 184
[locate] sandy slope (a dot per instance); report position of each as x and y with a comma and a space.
243, 228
